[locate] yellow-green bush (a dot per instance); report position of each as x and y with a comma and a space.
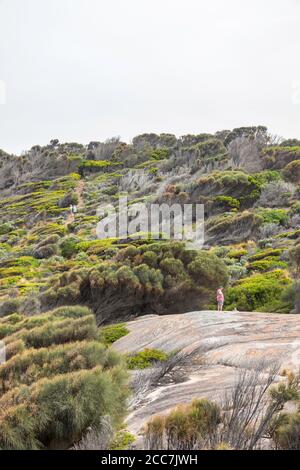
110, 334
257, 292
145, 358
184, 428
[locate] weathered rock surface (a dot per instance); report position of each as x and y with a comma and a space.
232, 339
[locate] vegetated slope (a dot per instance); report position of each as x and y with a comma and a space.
58, 380
249, 184
249, 188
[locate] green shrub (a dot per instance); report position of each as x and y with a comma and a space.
275, 216
58, 380
267, 176
185, 427
278, 157
237, 253
58, 332
6, 228
126, 284
110, 334
55, 412
160, 154
35, 364
146, 358
267, 264
68, 246
295, 208
7, 307
210, 148
70, 198
257, 292
208, 270
228, 201
234, 184
267, 253
232, 228
291, 297
122, 440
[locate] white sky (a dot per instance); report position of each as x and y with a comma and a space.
82, 70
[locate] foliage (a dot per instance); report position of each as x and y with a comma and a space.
267, 253
286, 431
257, 292
146, 358
110, 334
228, 201
122, 440
68, 246
135, 281
291, 296
63, 382
6, 228
267, 264
249, 412
276, 216
184, 427
42, 202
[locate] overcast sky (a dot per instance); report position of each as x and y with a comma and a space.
82, 70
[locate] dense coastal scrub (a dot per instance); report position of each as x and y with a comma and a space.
59, 283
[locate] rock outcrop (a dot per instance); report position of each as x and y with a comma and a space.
231, 339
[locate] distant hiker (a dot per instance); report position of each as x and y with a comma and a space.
220, 299
73, 209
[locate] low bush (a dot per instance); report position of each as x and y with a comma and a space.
58, 380
237, 253
68, 246
267, 253
110, 334
184, 427
227, 202
267, 264
7, 307
146, 358
257, 292
285, 431
291, 296
6, 228
122, 440
70, 198
275, 216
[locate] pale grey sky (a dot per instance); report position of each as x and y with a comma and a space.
82, 70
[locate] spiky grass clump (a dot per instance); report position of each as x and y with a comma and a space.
58, 380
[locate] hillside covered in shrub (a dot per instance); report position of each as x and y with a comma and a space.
59, 379
246, 179
59, 282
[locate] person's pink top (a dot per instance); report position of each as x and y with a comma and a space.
220, 296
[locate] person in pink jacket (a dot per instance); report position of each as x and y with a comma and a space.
220, 299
